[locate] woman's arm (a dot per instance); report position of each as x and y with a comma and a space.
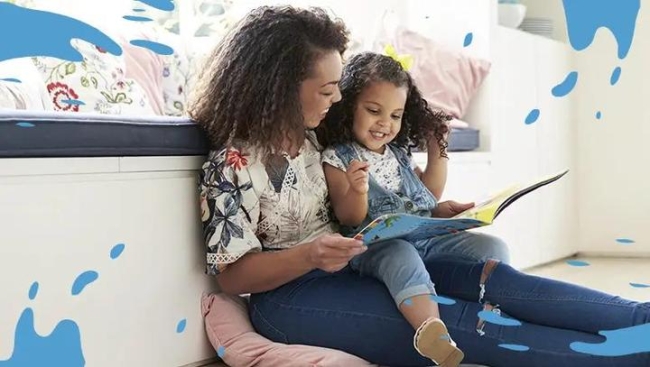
348, 192
264, 271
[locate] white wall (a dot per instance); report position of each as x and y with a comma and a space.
614, 162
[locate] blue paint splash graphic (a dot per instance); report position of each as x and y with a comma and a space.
11, 80
585, 17
621, 342
61, 348
577, 263
156, 47
166, 5
515, 347
74, 102
83, 280
532, 117
136, 18
599, 115
469, 37
33, 291
180, 327
495, 318
616, 75
639, 285
566, 86
19, 39
443, 300
625, 241
221, 351
408, 302
139, 10
117, 250
25, 124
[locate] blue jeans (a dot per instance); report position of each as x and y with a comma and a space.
400, 264
357, 315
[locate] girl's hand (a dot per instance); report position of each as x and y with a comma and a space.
332, 252
357, 174
449, 208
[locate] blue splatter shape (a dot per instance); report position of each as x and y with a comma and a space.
445, 337
625, 241
408, 302
83, 280
639, 285
621, 342
74, 102
33, 291
27, 32
180, 327
156, 47
25, 124
532, 117
166, 5
117, 250
515, 347
495, 318
221, 351
61, 348
136, 18
469, 37
585, 17
139, 10
599, 115
616, 75
11, 80
443, 300
566, 86
577, 263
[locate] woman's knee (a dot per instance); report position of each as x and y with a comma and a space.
490, 247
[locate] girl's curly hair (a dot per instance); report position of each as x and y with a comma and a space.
419, 122
249, 88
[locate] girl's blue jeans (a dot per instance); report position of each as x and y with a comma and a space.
358, 315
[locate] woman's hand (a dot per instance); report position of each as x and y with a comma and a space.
332, 252
449, 208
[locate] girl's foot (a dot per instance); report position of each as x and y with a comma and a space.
432, 340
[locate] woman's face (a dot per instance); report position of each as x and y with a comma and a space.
321, 89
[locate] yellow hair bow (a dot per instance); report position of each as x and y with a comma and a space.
405, 60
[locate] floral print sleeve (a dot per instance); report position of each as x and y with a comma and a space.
229, 208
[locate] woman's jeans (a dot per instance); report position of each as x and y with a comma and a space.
357, 314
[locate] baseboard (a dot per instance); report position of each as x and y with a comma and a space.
205, 362
615, 254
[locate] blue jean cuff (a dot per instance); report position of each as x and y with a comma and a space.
416, 290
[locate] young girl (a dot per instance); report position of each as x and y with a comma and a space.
369, 172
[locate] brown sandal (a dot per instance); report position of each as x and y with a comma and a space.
432, 340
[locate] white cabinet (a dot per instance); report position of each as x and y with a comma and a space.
540, 227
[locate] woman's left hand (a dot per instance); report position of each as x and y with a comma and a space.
450, 208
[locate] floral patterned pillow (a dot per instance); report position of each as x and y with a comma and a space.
96, 84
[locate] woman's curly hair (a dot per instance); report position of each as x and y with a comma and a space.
419, 122
249, 88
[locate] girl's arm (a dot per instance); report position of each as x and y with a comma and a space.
434, 175
348, 192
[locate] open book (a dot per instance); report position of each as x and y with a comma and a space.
413, 228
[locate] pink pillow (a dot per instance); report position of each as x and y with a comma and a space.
232, 335
447, 78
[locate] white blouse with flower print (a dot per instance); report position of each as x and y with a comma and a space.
248, 205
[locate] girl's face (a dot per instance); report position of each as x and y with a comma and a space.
378, 114
321, 90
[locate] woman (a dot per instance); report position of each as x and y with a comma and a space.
268, 232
